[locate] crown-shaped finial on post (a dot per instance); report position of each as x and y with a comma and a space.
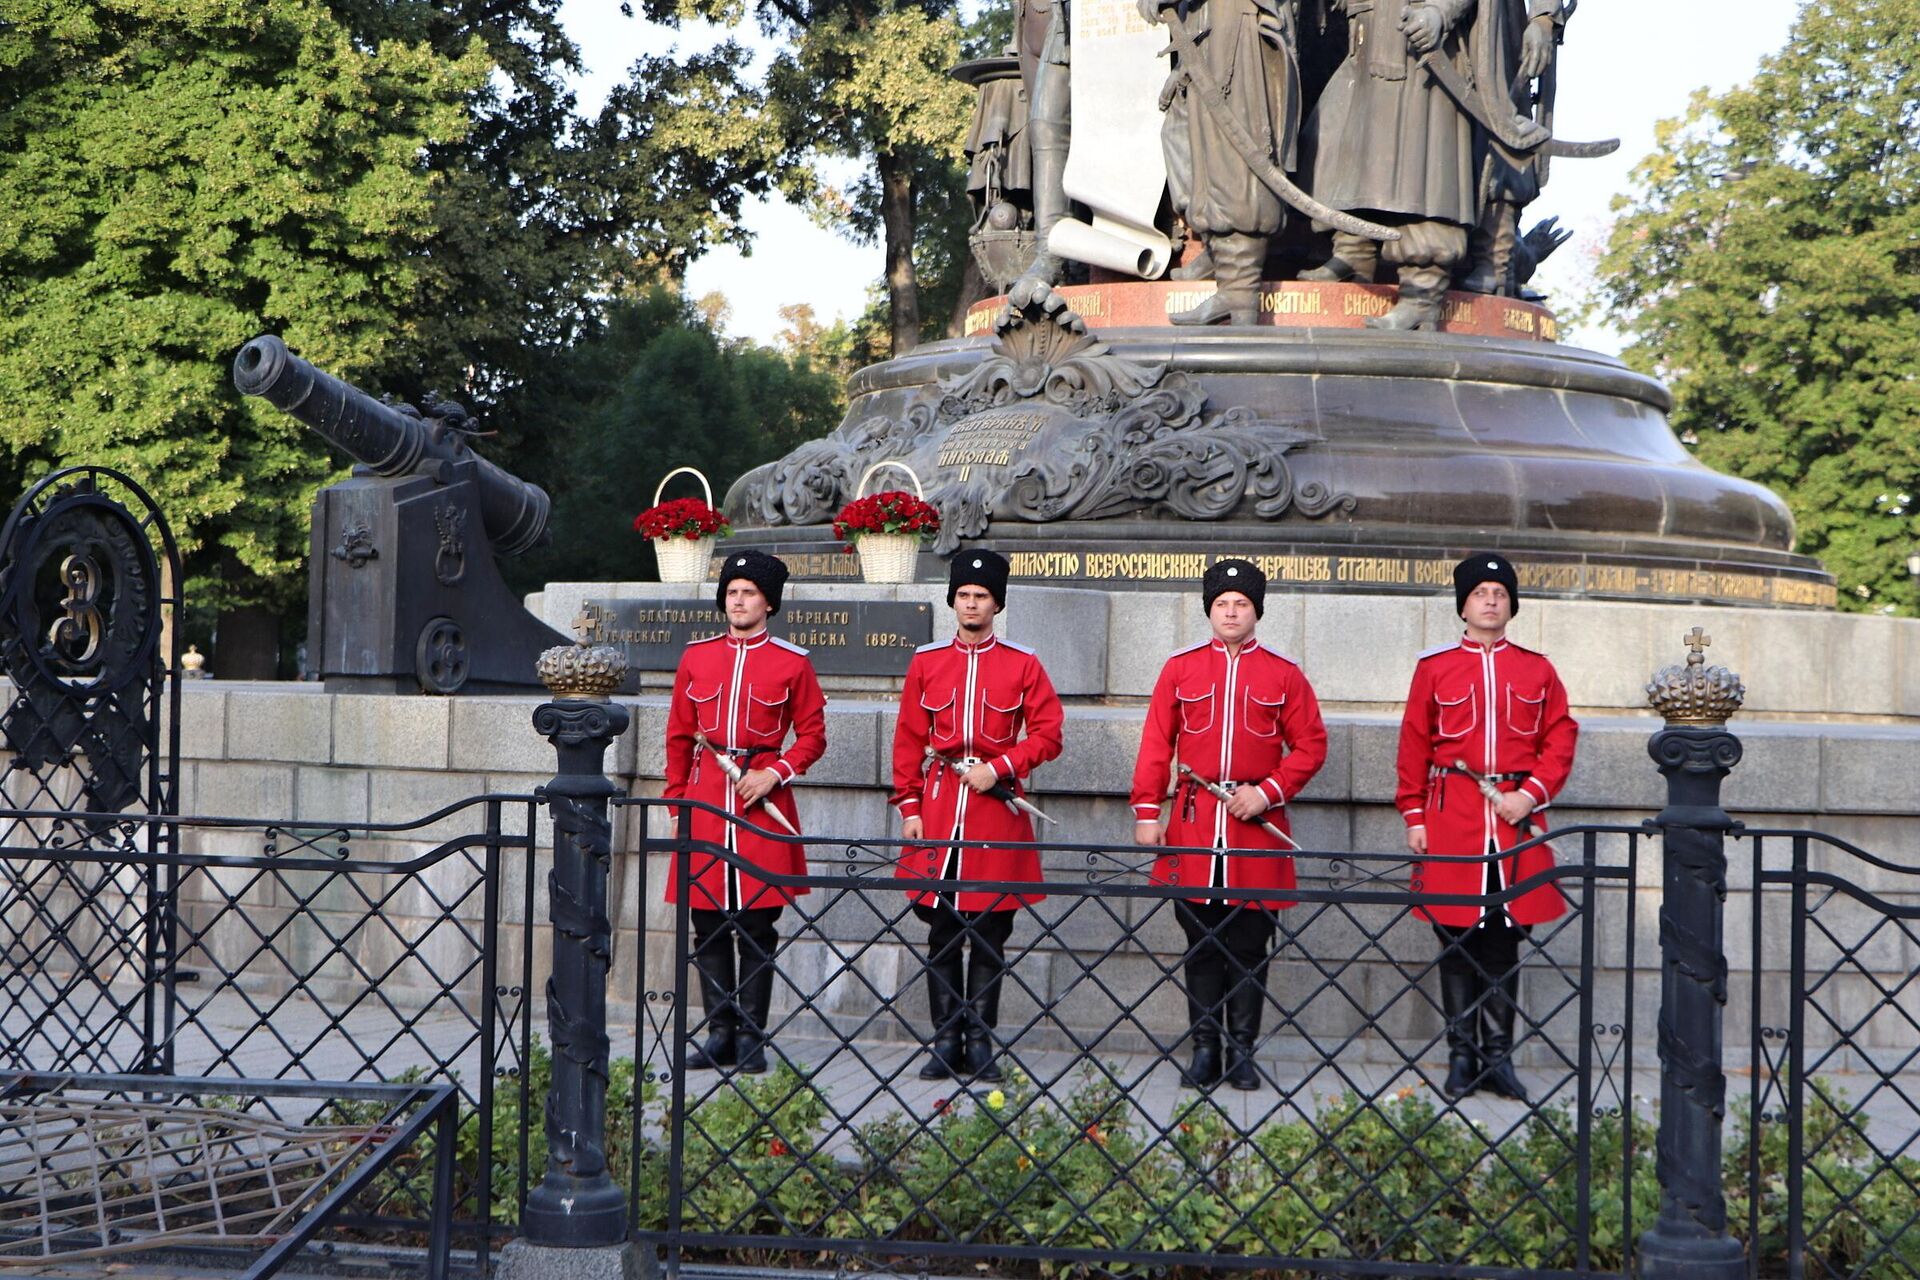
581, 671
1695, 693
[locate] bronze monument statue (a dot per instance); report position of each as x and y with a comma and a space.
1094, 438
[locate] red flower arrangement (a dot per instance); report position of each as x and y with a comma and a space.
895, 511
687, 518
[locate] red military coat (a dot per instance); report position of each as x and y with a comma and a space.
742, 693
972, 702
1250, 719
1502, 709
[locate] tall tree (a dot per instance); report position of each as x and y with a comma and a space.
864, 80
1768, 268
658, 389
400, 188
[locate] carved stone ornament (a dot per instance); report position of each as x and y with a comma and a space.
1695, 693
1053, 425
582, 671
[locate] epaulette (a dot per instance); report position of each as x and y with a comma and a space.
788, 645
1198, 644
707, 639
1284, 657
1538, 653
1017, 648
1424, 654
937, 644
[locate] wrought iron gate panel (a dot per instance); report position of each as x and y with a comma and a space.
88, 573
1346, 1160
1833, 1115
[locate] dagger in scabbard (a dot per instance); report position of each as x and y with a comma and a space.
1491, 790
1224, 794
731, 767
999, 790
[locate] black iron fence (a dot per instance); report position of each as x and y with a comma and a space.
1085, 1149
230, 949
1832, 1113
395, 952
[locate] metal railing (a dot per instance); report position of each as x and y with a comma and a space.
1090, 1153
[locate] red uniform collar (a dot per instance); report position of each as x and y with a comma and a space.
1473, 646
984, 645
753, 641
1247, 646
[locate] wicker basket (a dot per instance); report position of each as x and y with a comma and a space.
684, 559
889, 557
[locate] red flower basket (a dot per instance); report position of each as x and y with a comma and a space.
887, 528
683, 530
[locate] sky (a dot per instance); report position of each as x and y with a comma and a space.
1626, 65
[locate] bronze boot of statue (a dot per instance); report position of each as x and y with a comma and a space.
1354, 260
1423, 291
1493, 243
1201, 268
1236, 272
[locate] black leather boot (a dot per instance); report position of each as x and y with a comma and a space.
1459, 988
1206, 978
1496, 1037
713, 963
756, 996
984, 967
945, 1056
1245, 1004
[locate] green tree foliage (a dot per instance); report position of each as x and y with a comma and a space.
660, 389
864, 80
1768, 269
402, 189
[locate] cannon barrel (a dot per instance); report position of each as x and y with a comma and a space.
389, 442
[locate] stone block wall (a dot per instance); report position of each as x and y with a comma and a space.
278, 752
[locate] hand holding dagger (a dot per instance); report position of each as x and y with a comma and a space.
1493, 793
999, 790
1224, 794
734, 772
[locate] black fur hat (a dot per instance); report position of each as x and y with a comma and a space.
769, 573
978, 567
1484, 566
1235, 575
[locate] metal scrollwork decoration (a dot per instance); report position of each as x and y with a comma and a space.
356, 546
82, 607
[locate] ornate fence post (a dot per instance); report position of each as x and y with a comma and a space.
1694, 752
577, 1205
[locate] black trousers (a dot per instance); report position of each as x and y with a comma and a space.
1492, 949
1228, 950
948, 930
721, 936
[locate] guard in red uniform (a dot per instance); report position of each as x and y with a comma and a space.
735, 697
1232, 713
959, 753
1483, 710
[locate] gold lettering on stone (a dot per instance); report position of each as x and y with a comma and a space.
1296, 568
1365, 304
1044, 564
1292, 302
1518, 319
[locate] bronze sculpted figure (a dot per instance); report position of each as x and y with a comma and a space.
1250, 46
1040, 37
1512, 46
1386, 139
